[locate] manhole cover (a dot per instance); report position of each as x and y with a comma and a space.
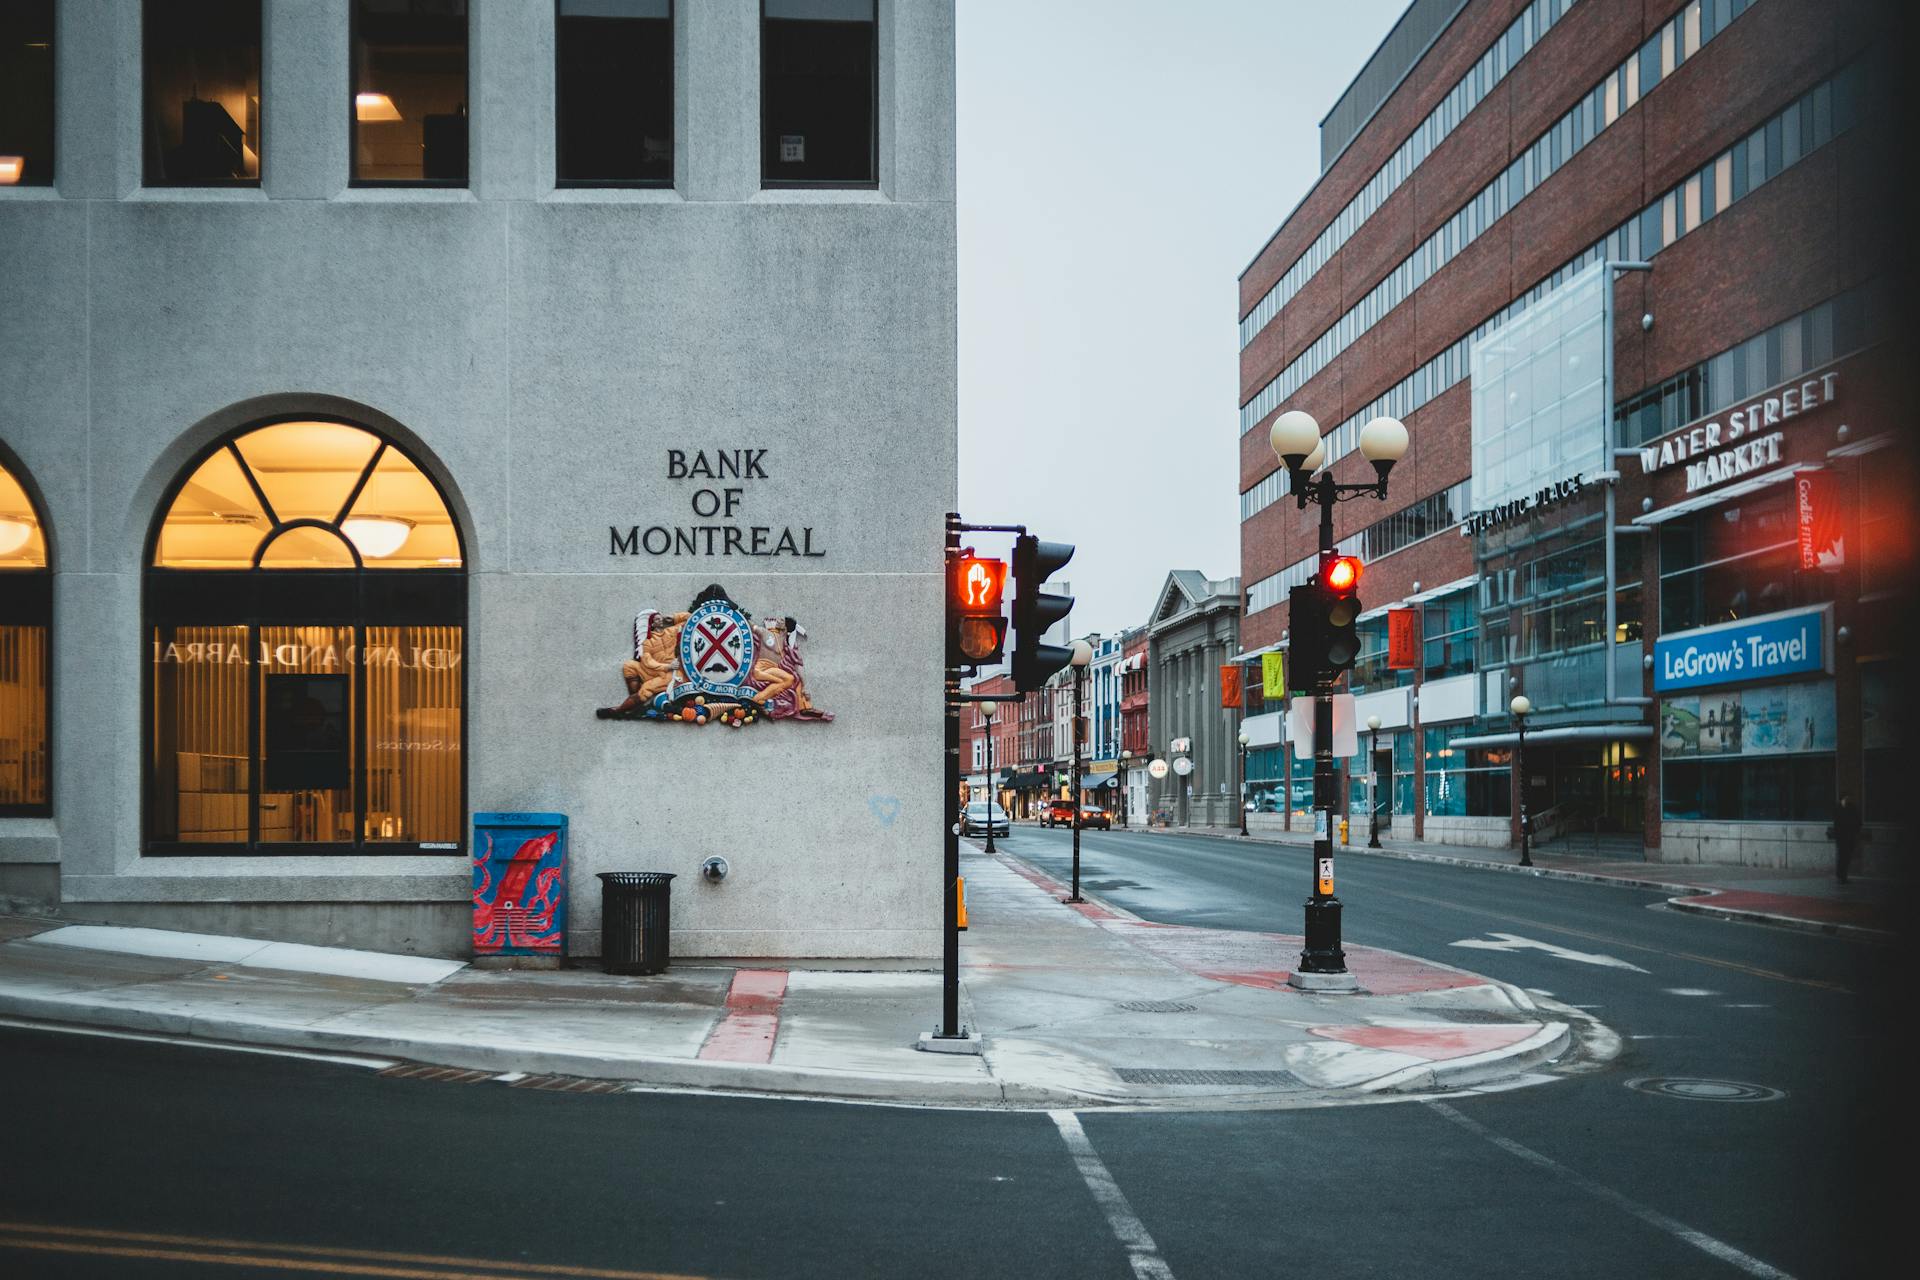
1155, 1006
1181, 1075
1706, 1090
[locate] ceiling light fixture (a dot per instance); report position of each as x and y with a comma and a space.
14, 533
374, 108
377, 537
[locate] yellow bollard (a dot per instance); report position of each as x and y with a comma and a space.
1343, 831
961, 896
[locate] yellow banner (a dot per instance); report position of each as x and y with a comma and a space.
1273, 681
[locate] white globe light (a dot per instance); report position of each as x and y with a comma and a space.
1157, 770
1293, 434
1183, 766
1383, 440
1373, 722
1316, 459
377, 537
1520, 706
1082, 653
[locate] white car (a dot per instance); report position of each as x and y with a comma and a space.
984, 818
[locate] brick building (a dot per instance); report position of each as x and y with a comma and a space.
1613, 469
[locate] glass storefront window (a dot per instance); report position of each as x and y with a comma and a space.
26, 623
202, 93
1451, 626
1735, 561
1757, 754
308, 618
1465, 782
409, 82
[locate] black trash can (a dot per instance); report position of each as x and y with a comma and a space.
634, 926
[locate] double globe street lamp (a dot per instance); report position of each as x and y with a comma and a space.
1373, 782
1082, 658
987, 710
1296, 440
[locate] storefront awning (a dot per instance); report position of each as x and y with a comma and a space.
1028, 781
1566, 733
1089, 781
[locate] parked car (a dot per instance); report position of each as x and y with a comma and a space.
984, 818
1098, 819
1057, 813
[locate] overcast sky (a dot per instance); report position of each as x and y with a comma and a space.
1120, 163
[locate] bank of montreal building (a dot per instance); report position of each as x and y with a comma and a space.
1450, 268
349, 341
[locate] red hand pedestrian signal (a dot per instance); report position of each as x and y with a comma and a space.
976, 631
981, 585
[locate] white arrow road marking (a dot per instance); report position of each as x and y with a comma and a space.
1514, 942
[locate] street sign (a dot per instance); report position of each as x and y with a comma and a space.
1346, 742
1183, 767
1157, 770
1180, 746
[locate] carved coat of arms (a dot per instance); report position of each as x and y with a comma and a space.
714, 662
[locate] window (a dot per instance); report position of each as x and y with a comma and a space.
306, 613
1463, 781
1450, 630
409, 86
1736, 560
615, 76
202, 62
26, 93
818, 92
26, 622
1761, 754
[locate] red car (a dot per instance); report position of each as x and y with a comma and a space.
1058, 813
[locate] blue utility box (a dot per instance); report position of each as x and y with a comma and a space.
519, 884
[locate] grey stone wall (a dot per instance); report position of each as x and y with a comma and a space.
539, 351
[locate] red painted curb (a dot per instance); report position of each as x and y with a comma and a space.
748, 1031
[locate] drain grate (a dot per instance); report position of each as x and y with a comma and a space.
1155, 1006
440, 1075
569, 1084
1182, 1075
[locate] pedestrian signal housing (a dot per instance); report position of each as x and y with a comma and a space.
976, 628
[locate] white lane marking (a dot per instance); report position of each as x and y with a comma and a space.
1652, 1217
1514, 942
1142, 1252
188, 1042
1746, 1006
1690, 991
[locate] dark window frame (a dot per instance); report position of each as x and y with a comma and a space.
257, 597
26, 599
147, 176
353, 118
667, 183
873, 143
53, 104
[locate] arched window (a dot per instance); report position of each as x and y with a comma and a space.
26, 621
306, 603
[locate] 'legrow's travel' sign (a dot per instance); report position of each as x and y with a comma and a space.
1780, 644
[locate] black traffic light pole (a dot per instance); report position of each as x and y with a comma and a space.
1079, 674
954, 700
1322, 953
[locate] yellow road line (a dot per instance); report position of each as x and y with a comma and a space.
372, 1262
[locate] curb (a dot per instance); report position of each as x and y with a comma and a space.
1684, 893
656, 1072
1551, 1041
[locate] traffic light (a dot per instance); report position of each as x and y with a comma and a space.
1323, 637
1034, 562
976, 631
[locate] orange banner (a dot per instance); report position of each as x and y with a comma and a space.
1403, 649
1231, 692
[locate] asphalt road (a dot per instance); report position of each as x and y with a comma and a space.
185, 1161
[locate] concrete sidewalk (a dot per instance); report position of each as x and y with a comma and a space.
1794, 898
1078, 1006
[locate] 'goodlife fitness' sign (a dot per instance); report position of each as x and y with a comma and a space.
1756, 449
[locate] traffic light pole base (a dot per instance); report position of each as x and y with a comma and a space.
966, 1042
1322, 981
